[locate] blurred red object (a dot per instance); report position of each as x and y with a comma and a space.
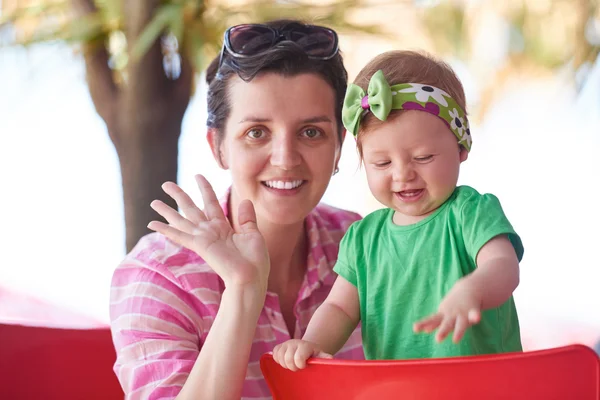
570, 372
55, 363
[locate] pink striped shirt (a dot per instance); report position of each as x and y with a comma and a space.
164, 299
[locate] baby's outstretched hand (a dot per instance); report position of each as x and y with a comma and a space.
460, 309
294, 353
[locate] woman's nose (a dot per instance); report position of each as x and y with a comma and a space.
285, 153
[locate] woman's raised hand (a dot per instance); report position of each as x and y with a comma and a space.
240, 258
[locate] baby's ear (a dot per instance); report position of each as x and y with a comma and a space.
464, 154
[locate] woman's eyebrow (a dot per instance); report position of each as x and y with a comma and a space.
311, 120
314, 120
254, 119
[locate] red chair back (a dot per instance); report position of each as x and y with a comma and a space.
53, 363
571, 372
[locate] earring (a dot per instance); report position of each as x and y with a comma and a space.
336, 170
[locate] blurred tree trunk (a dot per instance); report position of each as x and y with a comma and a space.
143, 116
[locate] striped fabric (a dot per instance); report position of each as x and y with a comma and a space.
164, 299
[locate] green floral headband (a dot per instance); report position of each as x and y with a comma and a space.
381, 98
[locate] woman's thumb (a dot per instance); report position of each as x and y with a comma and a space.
247, 216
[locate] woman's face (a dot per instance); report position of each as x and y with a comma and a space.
281, 144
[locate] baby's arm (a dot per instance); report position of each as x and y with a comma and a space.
497, 274
328, 330
489, 286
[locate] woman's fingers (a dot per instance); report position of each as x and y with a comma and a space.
184, 202
212, 208
173, 217
179, 237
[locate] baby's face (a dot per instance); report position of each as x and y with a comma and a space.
412, 163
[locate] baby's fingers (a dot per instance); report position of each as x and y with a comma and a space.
463, 323
289, 358
445, 328
428, 324
460, 326
474, 316
302, 354
322, 354
279, 354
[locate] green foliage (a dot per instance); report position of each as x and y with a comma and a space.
166, 17
547, 35
198, 25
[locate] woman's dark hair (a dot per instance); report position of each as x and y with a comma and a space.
285, 58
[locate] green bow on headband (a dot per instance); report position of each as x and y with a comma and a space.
381, 98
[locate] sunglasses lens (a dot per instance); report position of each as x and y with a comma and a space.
250, 39
316, 41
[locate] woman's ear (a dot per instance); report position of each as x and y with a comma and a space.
338, 152
212, 137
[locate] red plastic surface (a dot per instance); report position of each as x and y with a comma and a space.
52, 363
570, 372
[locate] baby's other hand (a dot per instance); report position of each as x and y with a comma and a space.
460, 309
294, 353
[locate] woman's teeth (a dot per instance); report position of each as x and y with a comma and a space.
287, 185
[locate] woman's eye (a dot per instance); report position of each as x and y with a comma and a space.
311, 133
255, 133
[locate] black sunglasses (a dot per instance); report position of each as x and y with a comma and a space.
247, 40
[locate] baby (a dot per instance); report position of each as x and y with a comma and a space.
440, 257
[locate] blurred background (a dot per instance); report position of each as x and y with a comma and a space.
100, 103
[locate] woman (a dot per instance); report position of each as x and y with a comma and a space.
194, 306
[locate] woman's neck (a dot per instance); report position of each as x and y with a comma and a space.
287, 246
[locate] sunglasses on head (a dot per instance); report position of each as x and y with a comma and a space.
247, 40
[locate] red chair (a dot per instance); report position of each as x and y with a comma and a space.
571, 372
53, 363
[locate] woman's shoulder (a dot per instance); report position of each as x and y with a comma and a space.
163, 287
335, 218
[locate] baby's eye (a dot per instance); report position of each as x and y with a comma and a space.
381, 163
255, 133
424, 158
311, 133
